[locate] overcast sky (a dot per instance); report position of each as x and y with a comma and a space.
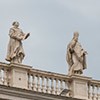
51, 24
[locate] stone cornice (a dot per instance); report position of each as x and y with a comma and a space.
30, 95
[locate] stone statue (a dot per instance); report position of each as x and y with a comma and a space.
15, 52
76, 56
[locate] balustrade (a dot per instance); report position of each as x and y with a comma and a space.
46, 82
4, 74
94, 90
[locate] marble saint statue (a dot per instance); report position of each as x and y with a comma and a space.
76, 56
15, 52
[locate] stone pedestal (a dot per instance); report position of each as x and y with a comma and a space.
19, 75
79, 86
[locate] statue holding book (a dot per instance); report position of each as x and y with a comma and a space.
15, 52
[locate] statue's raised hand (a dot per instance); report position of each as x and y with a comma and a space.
27, 35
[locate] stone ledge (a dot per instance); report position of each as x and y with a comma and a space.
16, 93
80, 77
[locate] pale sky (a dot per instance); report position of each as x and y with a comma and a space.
51, 24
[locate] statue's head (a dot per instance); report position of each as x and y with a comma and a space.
76, 35
15, 24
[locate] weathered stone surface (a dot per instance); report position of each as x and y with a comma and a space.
49, 84
76, 56
15, 52
12, 93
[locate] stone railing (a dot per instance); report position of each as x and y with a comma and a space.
47, 82
94, 90
25, 77
4, 74
36, 80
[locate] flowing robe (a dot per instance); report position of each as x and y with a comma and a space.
15, 52
76, 58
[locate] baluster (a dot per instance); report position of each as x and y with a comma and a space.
57, 90
97, 93
47, 85
6, 76
43, 86
38, 84
52, 86
29, 82
0, 76
61, 85
93, 92
34, 83
89, 91
67, 87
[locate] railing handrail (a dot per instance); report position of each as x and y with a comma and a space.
96, 82
48, 74
42, 72
36, 71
